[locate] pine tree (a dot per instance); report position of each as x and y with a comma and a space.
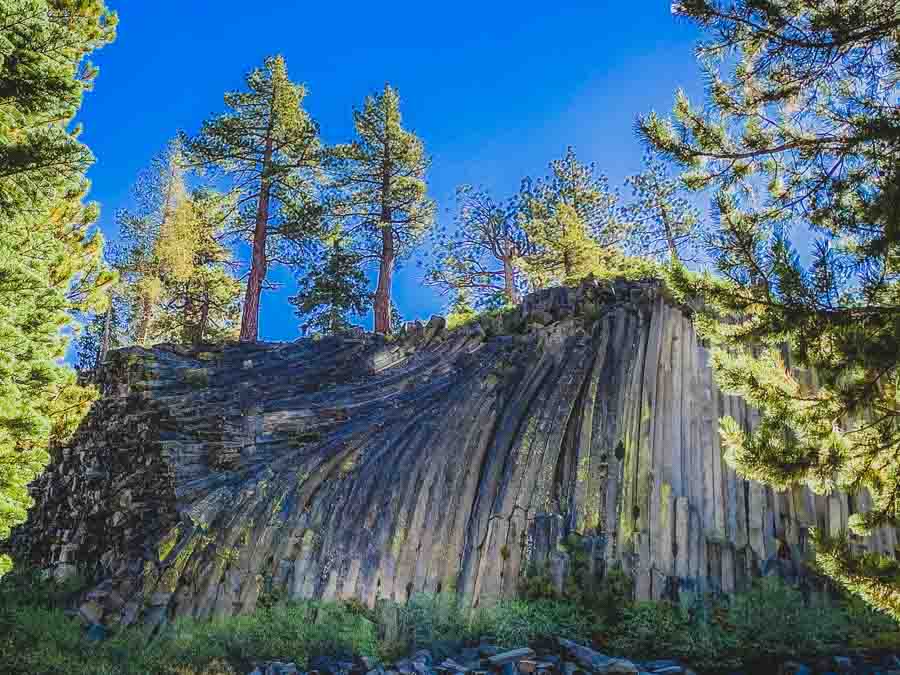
461, 310
663, 222
175, 271
50, 256
562, 250
381, 176
333, 291
43, 73
268, 147
200, 299
571, 221
100, 333
586, 191
804, 108
482, 254
159, 195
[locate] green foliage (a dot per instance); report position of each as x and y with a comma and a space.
571, 223
602, 595
661, 630
461, 311
663, 223
333, 291
268, 149
379, 182
772, 621
100, 333
515, 622
200, 299
444, 622
43, 44
50, 256
799, 136
174, 268
36, 636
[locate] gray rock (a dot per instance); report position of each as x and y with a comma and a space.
279, 471
512, 656
595, 661
559, 570
435, 327
91, 612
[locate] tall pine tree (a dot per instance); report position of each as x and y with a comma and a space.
381, 176
159, 197
50, 256
268, 148
199, 298
175, 270
801, 132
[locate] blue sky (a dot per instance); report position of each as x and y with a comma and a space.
495, 89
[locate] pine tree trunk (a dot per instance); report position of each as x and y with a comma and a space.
382, 302
143, 331
567, 265
670, 240
104, 339
250, 317
509, 281
385, 276
204, 318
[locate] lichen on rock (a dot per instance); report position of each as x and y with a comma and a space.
355, 466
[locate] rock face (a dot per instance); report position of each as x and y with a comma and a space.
355, 466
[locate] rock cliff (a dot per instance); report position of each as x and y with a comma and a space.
356, 466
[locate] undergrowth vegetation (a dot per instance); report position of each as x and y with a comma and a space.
772, 621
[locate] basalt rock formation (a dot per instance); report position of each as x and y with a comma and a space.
359, 466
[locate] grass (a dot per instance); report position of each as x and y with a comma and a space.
771, 622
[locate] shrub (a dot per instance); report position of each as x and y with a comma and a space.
773, 619
604, 597
662, 630
517, 622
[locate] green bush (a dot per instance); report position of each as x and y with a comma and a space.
517, 622
604, 597
770, 622
662, 630
36, 636
443, 623
773, 619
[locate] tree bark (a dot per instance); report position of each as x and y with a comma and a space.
204, 318
104, 339
382, 302
258, 262
385, 276
509, 281
144, 324
670, 240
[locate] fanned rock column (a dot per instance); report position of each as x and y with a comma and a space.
354, 466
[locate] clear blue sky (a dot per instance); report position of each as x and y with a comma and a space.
495, 89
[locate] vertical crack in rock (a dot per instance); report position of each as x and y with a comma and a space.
356, 466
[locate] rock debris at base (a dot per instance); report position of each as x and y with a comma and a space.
565, 658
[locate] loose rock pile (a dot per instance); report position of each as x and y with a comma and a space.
564, 657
